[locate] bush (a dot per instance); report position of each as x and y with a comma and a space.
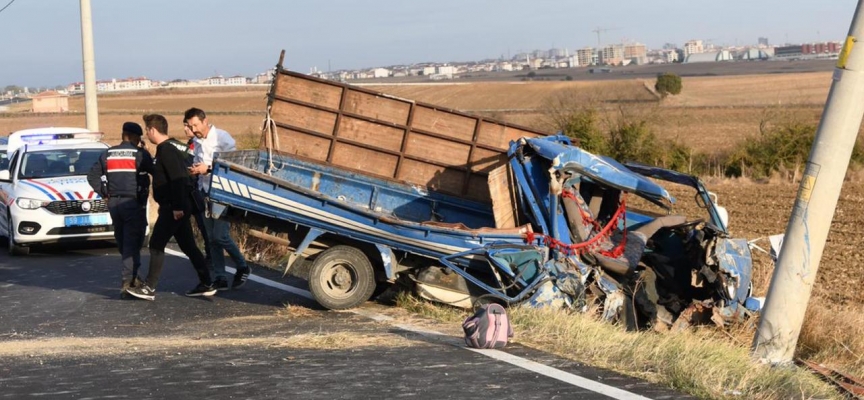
778, 148
668, 84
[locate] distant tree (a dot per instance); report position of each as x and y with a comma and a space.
568, 78
12, 88
668, 84
532, 74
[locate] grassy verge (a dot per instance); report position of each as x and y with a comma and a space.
704, 362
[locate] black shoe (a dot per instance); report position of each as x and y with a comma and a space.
142, 291
221, 284
201, 290
241, 277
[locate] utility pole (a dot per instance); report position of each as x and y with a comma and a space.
90, 108
807, 231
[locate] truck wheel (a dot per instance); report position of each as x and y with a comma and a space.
341, 277
14, 248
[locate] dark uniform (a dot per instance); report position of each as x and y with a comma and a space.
121, 177
172, 189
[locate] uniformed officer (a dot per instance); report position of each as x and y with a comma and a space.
121, 177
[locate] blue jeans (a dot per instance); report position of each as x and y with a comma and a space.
220, 241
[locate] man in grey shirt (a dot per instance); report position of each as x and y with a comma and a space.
210, 140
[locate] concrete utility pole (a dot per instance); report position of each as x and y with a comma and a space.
807, 231
90, 107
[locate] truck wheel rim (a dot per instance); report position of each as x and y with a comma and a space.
339, 279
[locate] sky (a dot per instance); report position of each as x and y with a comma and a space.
40, 40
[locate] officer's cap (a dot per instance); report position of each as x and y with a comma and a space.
132, 128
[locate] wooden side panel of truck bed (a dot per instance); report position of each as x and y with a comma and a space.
385, 136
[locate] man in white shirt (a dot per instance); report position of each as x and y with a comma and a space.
210, 140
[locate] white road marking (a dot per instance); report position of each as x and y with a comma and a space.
520, 362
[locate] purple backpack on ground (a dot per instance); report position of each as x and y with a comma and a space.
488, 328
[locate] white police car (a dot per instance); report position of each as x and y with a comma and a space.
44, 191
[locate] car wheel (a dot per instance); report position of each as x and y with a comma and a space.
341, 277
14, 248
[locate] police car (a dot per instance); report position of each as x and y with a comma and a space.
44, 191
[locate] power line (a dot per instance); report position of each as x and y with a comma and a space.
6, 6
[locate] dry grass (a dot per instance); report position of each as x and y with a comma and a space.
704, 362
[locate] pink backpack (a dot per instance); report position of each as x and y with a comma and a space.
488, 328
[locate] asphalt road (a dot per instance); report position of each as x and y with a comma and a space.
66, 334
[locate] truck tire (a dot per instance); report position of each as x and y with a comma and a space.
341, 277
14, 248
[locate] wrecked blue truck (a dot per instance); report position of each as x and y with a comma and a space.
576, 242
368, 191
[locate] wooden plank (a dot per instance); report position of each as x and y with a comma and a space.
302, 144
377, 107
437, 149
500, 193
382, 136
431, 176
315, 92
478, 188
365, 160
483, 160
444, 123
304, 117
499, 135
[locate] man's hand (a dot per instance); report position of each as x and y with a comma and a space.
178, 214
198, 169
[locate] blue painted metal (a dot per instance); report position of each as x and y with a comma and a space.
491, 254
736, 261
599, 168
337, 204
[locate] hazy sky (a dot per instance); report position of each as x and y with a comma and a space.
40, 41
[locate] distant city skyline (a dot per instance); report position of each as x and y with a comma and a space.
188, 39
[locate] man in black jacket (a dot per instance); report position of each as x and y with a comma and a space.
121, 178
172, 190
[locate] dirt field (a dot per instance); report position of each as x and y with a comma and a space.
712, 113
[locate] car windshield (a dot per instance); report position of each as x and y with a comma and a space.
56, 163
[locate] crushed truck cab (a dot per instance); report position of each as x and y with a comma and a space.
44, 191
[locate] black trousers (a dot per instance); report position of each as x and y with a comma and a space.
166, 227
130, 225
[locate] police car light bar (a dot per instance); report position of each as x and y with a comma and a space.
39, 138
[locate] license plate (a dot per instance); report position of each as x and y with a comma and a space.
87, 220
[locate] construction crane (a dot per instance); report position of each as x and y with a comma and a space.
598, 30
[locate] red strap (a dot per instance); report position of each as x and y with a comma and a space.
593, 243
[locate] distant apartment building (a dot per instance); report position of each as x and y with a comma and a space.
430, 70
236, 80
693, 47
821, 48
612, 54
637, 53
447, 70
77, 87
585, 56
215, 80
380, 73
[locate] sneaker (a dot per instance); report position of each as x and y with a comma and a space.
221, 284
142, 291
241, 277
202, 290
